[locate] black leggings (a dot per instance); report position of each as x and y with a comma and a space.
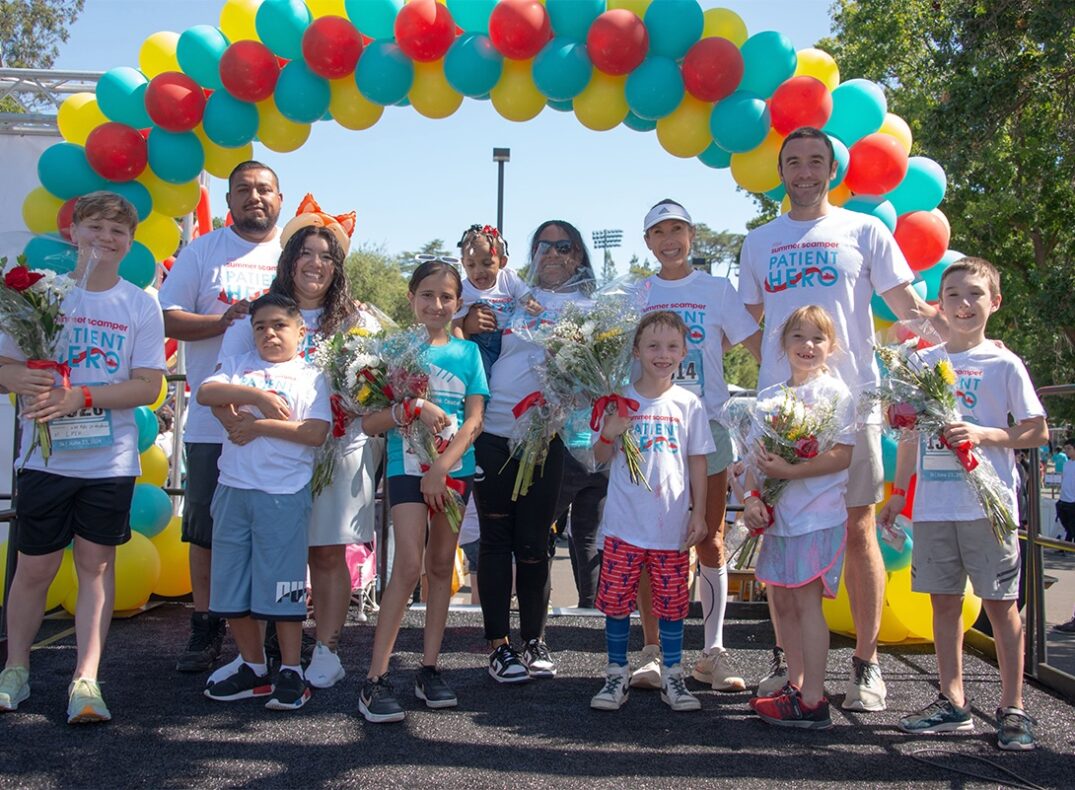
520, 529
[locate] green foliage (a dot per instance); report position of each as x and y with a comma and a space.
740, 368
374, 277
640, 270
608, 268
30, 34
719, 247
406, 260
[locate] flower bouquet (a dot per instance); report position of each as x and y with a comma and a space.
536, 423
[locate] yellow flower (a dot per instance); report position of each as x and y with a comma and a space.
359, 332
945, 371
364, 394
608, 334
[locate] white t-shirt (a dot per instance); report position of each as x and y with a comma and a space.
239, 337
210, 273
502, 297
113, 333
275, 466
815, 503
1067, 484
991, 383
712, 309
837, 261
669, 429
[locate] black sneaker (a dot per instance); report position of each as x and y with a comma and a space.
241, 684
430, 687
206, 640
377, 701
272, 646
505, 666
291, 691
538, 660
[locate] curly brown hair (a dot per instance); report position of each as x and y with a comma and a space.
338, 304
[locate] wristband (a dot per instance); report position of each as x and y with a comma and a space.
899, 492
754, 493
87, 398
416, 411
601, 438
395, 416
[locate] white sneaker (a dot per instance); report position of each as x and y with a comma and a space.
715, 669
648, 674
225, 671
538, 660
674, 691
325, 669
614, 693
866, 689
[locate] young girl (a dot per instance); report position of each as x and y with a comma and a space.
802, 554
458, 387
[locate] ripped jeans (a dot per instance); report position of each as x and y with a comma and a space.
514, 529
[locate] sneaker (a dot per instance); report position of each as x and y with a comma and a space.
85, 705
648, 674
939, 716
866, 689
674, 691
325, 669
377, 701
243, 683
430, 687
615, 691
777, 677
272, 646
1067, 628
1015, 730
505, 666
203, 647
290, 691
787, 710
715, 669
14, 688
538, 660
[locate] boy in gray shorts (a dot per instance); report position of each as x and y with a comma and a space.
261, 508
953, 540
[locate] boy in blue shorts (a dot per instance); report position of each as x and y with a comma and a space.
261, 508
953, 539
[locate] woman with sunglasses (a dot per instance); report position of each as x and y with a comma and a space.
561, 273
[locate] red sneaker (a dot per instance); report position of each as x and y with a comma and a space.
787, 710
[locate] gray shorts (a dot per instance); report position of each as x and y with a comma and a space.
259, 554
945, 553
721, 458
202, 474
866, 477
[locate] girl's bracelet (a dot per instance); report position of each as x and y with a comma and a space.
754, 494
395, 415
601, 438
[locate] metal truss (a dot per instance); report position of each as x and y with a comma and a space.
39, 93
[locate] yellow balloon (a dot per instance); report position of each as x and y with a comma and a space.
940, 215
895, 126
171, 200
174, 555
891, 630
39, 210
915, 611
881, 325
349, 108
430, 93
602, 104
515, 96
157, 54
320, 8
159, 233
637, 6
237, 20
839, 195
138, 568
162, 396
785, 205
820, 65
837, 611
276, 132
78, 116
61, 583
755, 171
220, 161
154, 467
685, 132
724, 23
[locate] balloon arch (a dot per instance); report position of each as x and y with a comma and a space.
200, 98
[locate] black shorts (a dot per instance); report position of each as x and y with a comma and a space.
202, 474
52, 509
405, 489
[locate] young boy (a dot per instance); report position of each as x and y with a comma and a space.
952, 537
113, 342
261, 508
653, 529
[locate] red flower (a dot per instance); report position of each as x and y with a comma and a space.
20, 278
806, 447
902, 415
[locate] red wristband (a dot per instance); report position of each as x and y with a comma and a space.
899, 492
754, 493
601, 438
87, 398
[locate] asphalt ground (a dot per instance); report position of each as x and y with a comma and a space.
165, 734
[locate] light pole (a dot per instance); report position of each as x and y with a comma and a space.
606, 240
500, 156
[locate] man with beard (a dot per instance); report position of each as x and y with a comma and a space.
212, 283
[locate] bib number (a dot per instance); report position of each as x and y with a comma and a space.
84, 429
937, 462
691, 375
412, 464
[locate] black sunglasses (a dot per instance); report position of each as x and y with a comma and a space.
563, 246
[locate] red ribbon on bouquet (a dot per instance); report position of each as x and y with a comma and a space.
453, 485
601, 405
386, 390
62, 369
530, 401
341, 418
964, 454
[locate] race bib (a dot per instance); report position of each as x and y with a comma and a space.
691, 375
84, 429
936, 461
412, 464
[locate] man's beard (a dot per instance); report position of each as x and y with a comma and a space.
253, 224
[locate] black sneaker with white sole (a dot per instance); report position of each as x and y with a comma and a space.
505, 666
429, 686
243, 683
377, 701
291, 691
538, 660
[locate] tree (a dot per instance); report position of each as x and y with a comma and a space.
374, 277
608, 269
740, 368
720, 248
406, 260
640, 270
30, 34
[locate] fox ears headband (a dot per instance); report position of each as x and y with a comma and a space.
309, 214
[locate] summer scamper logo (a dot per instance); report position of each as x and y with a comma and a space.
802, 265
967, 383
656, 434
96, 344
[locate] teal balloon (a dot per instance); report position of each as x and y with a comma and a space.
199, 51
922, 189
881, 309
740, 122
565, 105
843, 159
121, 95
151, 510
146, 422
472, 15
875, 206
176, 157
889, 448
138, 266
229, 122
716, 157
51, 252
768, 60
63, 170
562, 69
137, 194
638, 124
384, 74
404, 102
569, 18
280, 25
777, 193
931, 277
472, 65
655, 88
376, 18
673, 26
858, 109
896, 560
301, 95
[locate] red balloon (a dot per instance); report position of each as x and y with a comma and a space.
878, 165
519, 28
712, 69
800, 101
65, 217
923, 237
617, 42
424, 30
249, 70
116, 151
331, 46
908, 504
175, 102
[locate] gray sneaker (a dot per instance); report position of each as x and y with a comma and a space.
866, 689
777, 676
939, 716
1015, 730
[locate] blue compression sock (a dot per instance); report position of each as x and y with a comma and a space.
617, 630
671, 641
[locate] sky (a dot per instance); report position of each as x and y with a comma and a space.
412, 179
